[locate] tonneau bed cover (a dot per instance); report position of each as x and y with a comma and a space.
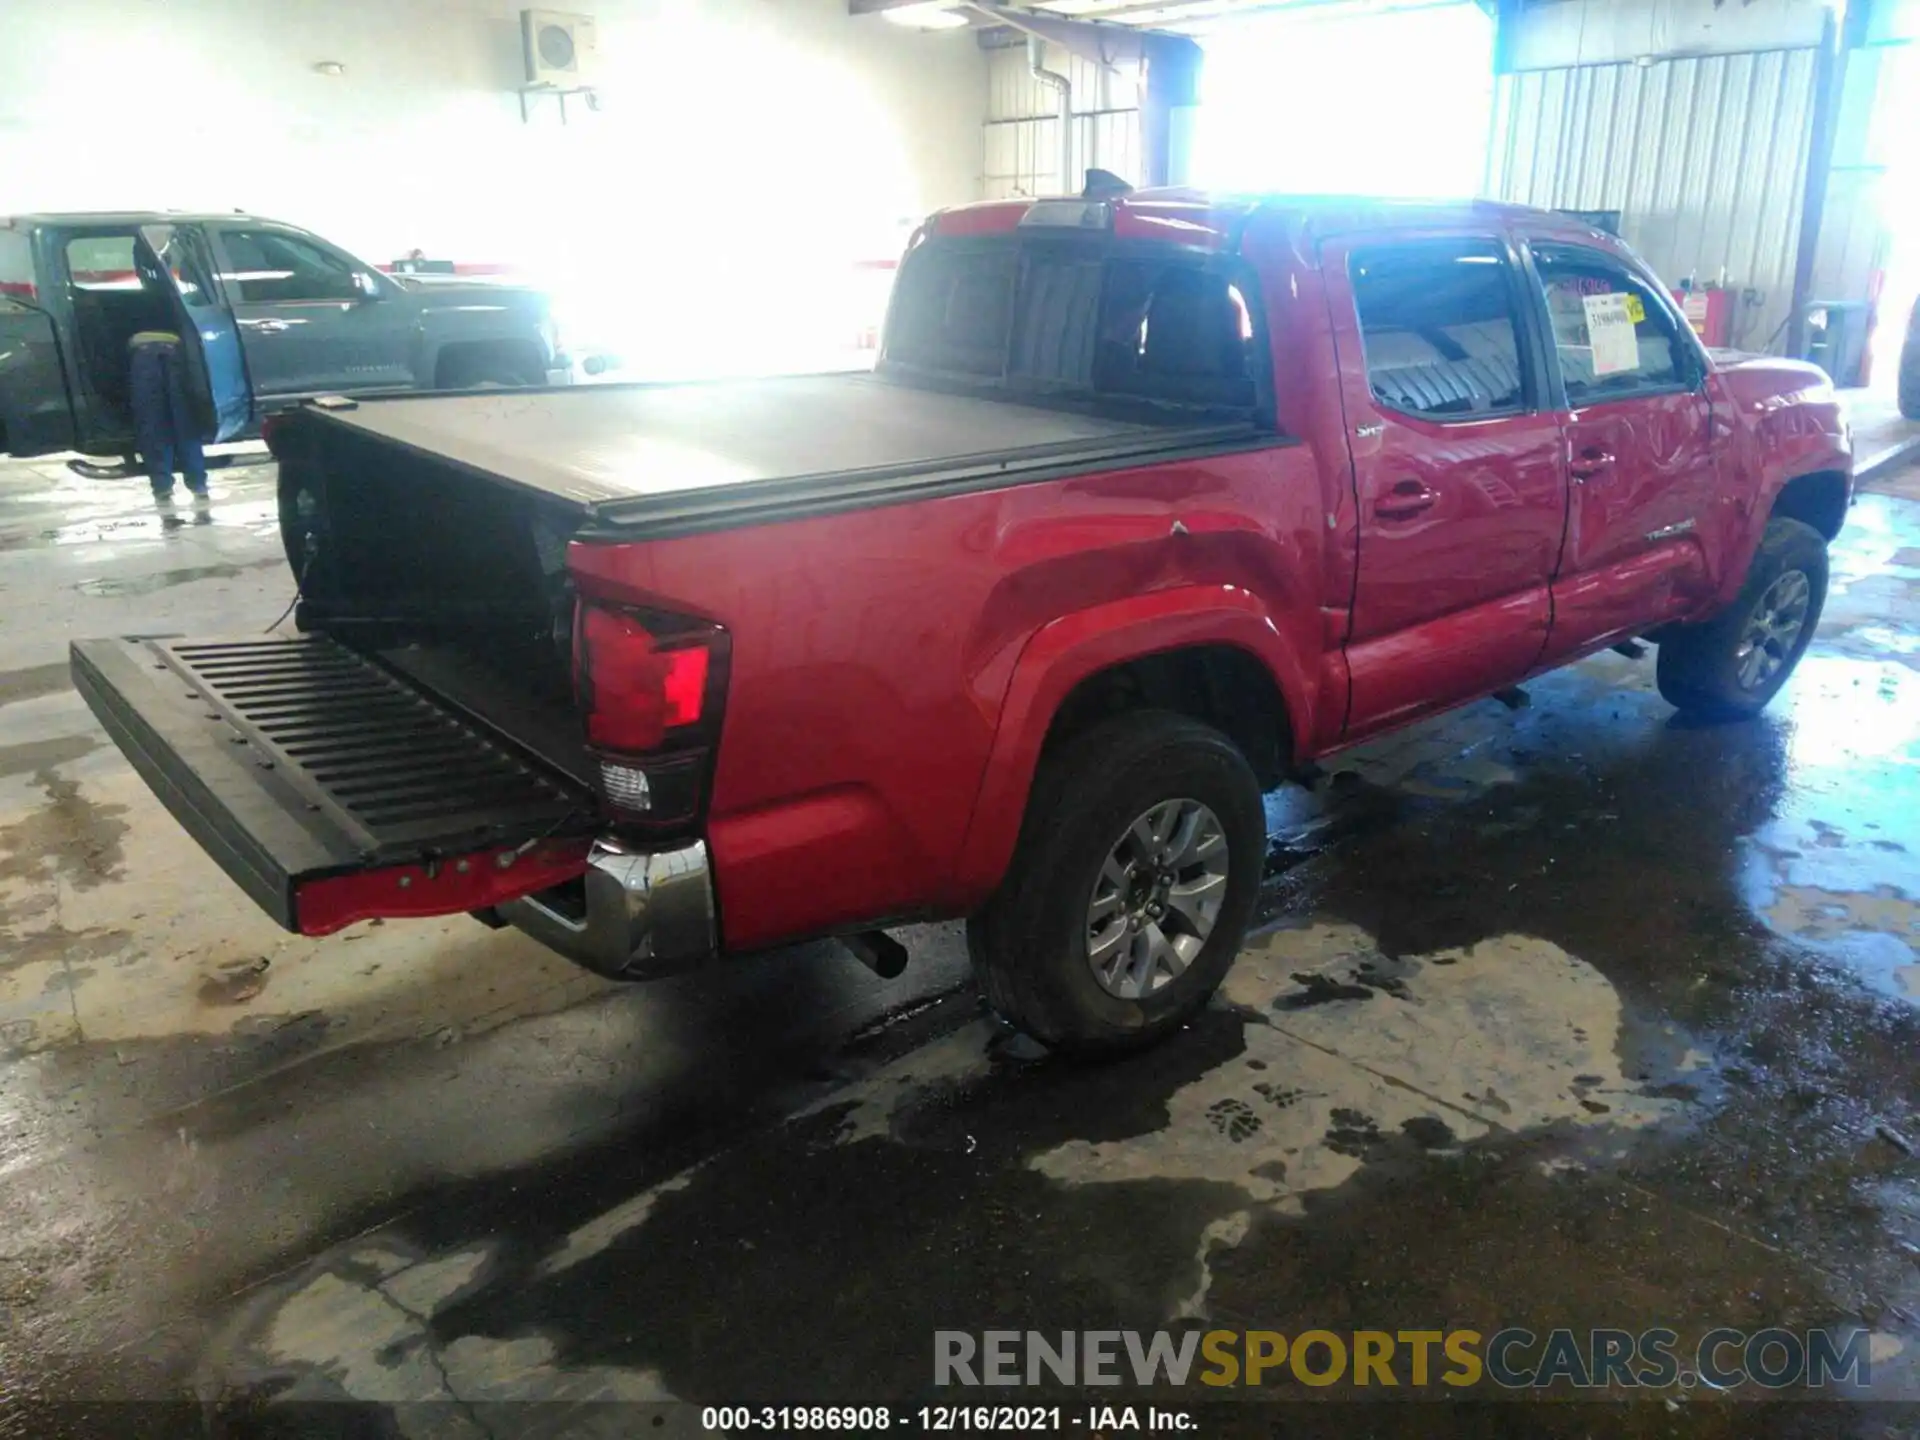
692, 454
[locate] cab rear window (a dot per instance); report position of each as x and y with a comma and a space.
1076, 318
952, 310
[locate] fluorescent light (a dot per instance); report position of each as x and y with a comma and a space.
929, 15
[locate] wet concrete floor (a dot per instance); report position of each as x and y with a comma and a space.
1576, 1016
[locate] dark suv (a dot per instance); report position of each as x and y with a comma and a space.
282, 315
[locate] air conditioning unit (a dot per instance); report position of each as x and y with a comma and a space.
560, 49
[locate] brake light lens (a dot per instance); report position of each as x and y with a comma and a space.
638, 687
686, 685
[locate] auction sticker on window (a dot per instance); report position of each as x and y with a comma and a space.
1610, 333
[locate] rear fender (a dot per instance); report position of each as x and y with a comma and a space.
1062, 654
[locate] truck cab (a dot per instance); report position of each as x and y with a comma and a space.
281, 315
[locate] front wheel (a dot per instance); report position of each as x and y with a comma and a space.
498, 377
1729, 667
1131, 889
488, 370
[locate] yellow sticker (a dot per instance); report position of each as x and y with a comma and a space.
1636, 312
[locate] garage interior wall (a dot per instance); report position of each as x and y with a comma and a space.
742, 145
1023, 123
1703, 153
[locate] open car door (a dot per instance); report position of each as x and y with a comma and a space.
175, 258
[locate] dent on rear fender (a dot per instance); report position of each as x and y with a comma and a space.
1070, 649
1209, 530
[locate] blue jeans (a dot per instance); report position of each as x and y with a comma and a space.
163, 426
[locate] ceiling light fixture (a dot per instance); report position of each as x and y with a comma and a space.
928, 15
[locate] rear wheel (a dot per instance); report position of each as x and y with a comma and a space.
1729, 667
1132, 887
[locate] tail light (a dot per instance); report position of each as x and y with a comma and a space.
650, 686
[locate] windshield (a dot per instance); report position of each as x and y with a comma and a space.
1077, 318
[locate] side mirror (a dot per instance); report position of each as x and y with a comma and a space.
368, 287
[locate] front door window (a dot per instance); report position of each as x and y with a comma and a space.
268, 266
1614, 333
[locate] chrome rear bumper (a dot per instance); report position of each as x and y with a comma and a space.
645, 912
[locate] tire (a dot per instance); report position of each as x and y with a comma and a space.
1031, 943
1711, 669
486, 372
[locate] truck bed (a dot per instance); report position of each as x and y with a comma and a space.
671, 457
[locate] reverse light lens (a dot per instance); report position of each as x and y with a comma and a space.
626, 787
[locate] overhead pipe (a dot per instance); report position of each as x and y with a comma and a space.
1165, 66
1095, 41
1037, 67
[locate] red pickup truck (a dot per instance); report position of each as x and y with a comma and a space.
1150, 501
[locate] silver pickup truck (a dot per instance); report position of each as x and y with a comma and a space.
282, 315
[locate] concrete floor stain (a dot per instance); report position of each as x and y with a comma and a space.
69, 838
33, 681
155, 582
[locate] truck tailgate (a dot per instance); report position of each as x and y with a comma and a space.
329, 790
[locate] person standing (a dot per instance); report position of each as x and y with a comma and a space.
163, 423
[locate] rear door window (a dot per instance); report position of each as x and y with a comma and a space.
102, 262
1440, 330
1614, 334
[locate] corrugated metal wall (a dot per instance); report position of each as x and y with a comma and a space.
1023, 125
1704, 156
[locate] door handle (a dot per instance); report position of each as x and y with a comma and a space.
265, 327
1589, 463
1407, 498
